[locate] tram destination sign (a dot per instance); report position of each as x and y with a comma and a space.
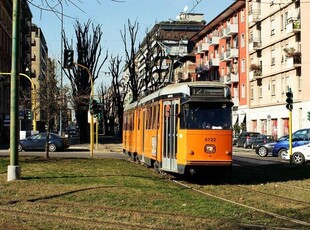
207, 92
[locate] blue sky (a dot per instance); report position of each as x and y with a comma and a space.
113, 16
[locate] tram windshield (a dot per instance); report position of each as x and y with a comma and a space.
206, 115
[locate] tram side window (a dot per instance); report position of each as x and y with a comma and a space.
149, 116
158, 116
131, 121
125, 122
154, 121
139, 119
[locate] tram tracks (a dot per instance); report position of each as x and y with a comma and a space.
99, 215
257, 207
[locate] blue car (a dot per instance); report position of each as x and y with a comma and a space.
300, 137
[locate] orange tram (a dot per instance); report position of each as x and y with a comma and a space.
182, 128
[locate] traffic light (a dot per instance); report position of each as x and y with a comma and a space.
96, 108
29, 115
289, 100
68, 59
93, 107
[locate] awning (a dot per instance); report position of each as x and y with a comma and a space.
234, 119
241, 118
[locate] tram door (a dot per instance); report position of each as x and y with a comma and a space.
143, 133
170, 110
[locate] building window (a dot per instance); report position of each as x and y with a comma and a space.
273, 57
282, 22
243, 91
242, 15
272, 24
287, 86
243, 65
252, 92
260, 91
273, 88
242, 40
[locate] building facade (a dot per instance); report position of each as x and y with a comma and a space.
39, 57
221, 55
278, 62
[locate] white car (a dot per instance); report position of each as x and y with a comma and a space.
300, 154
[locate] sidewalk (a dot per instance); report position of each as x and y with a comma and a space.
101, 147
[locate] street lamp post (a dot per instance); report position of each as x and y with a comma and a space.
33, 98
14, 170
61, 65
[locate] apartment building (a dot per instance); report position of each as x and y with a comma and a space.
221, 55
5, 64
39, 56
167, 46
278, 61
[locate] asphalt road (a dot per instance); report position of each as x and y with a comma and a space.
241, 156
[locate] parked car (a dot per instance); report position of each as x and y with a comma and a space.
300, 154
246, 139
265, 148
299, 138
38, 142
262, 138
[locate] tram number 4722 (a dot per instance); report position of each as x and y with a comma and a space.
210, 139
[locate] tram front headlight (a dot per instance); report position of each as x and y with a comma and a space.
210, 148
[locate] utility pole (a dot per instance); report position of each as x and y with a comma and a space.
61, 66
14, 170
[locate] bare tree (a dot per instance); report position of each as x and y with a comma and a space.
49, 97
135, 84
119, 89
86, 71
153, 57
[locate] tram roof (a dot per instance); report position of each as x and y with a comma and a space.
173, 89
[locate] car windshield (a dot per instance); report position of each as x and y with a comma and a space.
205, 116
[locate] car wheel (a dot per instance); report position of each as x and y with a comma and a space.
262, 151
20, 147
244, 145
298, 158
52, 147
282, 154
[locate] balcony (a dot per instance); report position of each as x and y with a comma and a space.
203, 47
255, 72
293, 62
224, 34
202, 68
231, 78
255, 44
223, 56
214, 62
254, 16
232, 29
232, 53
213, 41
293, 26
255, 75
